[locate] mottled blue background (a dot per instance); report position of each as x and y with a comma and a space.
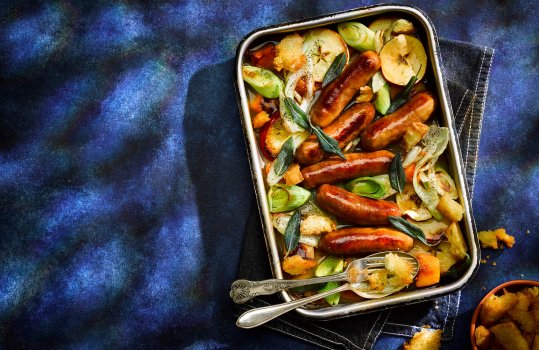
124, 182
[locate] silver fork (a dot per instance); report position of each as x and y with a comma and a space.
258, 316
357, 271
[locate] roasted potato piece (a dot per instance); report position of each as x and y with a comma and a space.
413, 135
429, 270
489, 239
458, 244
402, 269
426, 339
289, 53
260, 119
450, 208
508, 240
495, 307
316, 225
447, 259
365, 94
378, 280
509, 336
482, 336
296, 265
293, 175
520, 314
535, 344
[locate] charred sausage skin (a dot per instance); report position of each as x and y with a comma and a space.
338, 93
360, 240
355, 209
344, 129
392, 127
335, 169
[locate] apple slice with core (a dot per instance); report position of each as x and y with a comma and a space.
403, 57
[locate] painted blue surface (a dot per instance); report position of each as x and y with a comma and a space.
124, 182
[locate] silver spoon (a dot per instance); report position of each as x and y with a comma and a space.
259, 316
244, 290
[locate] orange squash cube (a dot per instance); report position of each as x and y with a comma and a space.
429, 270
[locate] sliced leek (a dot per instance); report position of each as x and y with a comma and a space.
264, 81
286, 198
357, 35
445, 184
434, 142
383, 100
371, 186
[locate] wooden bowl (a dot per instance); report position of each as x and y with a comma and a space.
511, 286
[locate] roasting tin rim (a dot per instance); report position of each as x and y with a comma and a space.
454, 157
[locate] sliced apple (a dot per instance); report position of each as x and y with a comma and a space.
276, 136
379, 39
321, 46
382, 23
403, 57
432, 228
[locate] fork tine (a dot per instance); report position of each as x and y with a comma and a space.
373, 265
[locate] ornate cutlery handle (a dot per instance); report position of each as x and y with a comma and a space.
243, 290
256, 317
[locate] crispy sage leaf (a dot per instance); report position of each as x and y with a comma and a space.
456, 272
291, 234
285, 157
328, 143
396, 173
410, 229
403, 96
335, 69
298, 115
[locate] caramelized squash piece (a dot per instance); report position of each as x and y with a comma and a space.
429, 270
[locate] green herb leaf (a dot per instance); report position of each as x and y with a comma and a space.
408, 228
297, 114
350, 104
291, 234
335, 69
456, 272
328, 143
403, 96
396, 173
284, 158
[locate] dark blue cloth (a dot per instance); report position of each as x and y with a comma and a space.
124, 182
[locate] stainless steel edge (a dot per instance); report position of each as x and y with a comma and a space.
454, 156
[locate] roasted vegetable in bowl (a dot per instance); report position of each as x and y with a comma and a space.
354, 156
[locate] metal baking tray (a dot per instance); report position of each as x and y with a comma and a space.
427, 35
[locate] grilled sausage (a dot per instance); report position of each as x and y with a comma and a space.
357, 240
353, 208
336, 169
346, 128
390, 128
338, 93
